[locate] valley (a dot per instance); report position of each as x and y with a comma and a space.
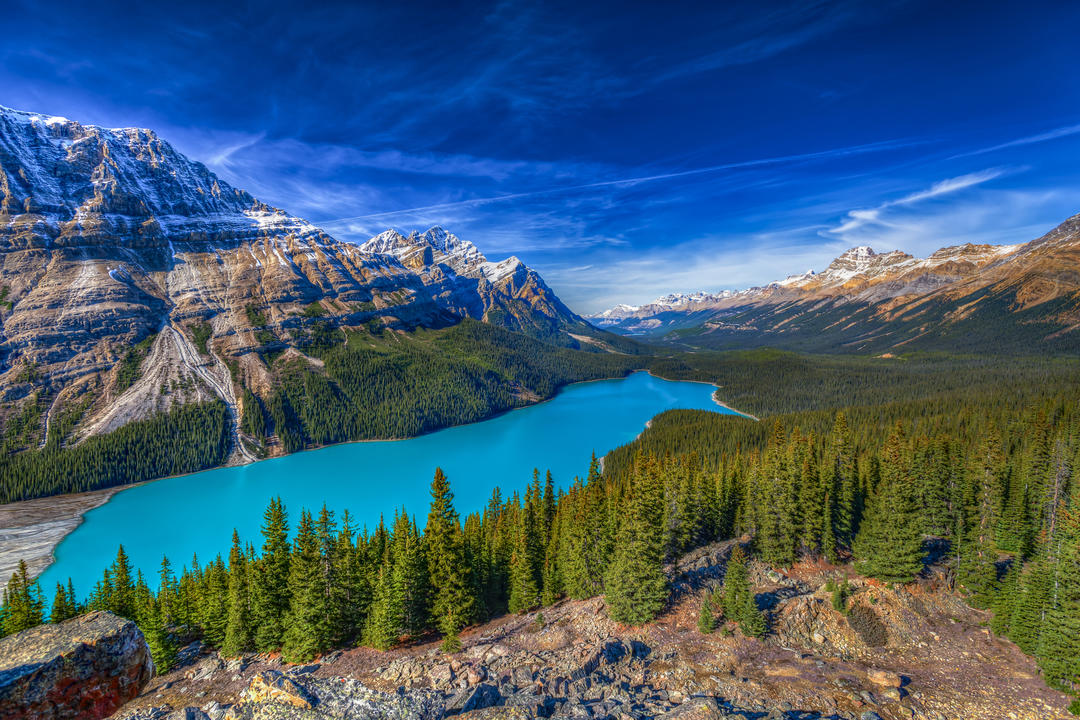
844, 494
371, 479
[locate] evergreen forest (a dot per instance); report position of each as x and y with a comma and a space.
881, 468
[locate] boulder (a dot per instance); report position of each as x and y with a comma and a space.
275, 687
85, 667
698, 708
500, 712
477, 698
884, 678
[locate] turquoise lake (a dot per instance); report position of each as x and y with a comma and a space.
197, 513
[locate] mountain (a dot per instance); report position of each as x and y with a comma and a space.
1012, 298
132, 280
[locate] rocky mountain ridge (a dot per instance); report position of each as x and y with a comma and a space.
110, 238
866, 300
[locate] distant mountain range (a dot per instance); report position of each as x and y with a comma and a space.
1021, 298
110, 238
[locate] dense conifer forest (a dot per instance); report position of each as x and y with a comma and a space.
987, 470
382, 385
392, 385
186, 439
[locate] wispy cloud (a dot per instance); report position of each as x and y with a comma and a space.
857, 219
742, 260
765, 35
637, 180
1054, 134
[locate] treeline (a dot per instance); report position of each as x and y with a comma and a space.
401, 388
1007, 503
185, 439
419, 383
988, 477
772, 382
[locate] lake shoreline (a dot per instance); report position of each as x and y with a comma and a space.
57, 517
30, 530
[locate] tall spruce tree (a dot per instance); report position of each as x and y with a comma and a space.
350, 592
23, 606
635, 585
526, 560
889, 544
1060, 647
739, 601
270, 579
382, 626
978, 557
158, 639
63, 607
238, 629
453, 602
307, 623
1027, 624
121, 600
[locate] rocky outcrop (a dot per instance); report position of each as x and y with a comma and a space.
86, 667
569, 661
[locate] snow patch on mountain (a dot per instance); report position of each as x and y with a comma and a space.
858, 267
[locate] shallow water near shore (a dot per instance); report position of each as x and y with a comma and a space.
196, 513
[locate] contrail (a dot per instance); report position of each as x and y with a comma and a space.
838, 152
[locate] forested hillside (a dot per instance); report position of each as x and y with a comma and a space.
979, 478
396, 385
375, 384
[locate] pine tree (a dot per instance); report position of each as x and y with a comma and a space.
351, 594
526, 560
751, 619
1004, 602
161, 643
549, 507
889, 544
167, 591
828, 529
635, 584
270, 580
1059, 653
1033, 598
453, 602
306, 624
777, 511
121, 601
382, 628
23, 606
841, 482
238, 630
62, 608
1013, 531
706, 621
213, 604
978, 571
552, 572
410, 576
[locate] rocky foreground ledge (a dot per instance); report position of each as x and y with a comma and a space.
914, 652
83, 668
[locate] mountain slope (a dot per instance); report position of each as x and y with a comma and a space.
1011, 298
133, 280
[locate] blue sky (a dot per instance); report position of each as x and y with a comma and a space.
625, 150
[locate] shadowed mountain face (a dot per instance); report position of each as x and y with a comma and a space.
1005, 298
109, 238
